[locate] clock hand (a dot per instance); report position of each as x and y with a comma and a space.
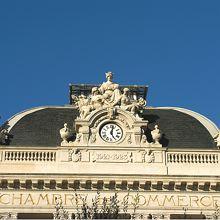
111, 132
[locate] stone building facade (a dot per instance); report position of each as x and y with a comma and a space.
109, 140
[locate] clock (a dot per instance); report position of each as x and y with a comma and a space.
111, 133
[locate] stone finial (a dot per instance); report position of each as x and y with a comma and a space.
65, 134
217, 140
156, 135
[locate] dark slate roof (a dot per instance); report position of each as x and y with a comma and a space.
180, 130
41, 128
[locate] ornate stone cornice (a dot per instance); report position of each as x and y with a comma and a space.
154, 183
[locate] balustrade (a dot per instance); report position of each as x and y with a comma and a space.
43, 155
184, 157
30, 156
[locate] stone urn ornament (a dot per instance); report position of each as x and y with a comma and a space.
65, 134
156, 135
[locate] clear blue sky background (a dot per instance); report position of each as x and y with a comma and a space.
172, 46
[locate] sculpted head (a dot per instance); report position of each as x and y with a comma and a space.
95, 91
126, 91
109, 76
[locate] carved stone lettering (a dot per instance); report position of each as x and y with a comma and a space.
120, 157
145, 200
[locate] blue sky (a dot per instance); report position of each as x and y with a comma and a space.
172, 46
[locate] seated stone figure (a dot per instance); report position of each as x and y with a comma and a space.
88, 104
109, 90
126, 103
83, 103
97, 100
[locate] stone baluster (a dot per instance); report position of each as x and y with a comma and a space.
47, 156
31, 156
206, 158
50, 156
13, 155
22, 156
37, 156
26, 156
6, 155
44, 156
178, 158
196, 158
40, 156
188, 158
54, 156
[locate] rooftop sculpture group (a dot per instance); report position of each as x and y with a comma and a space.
120, 106
108, 95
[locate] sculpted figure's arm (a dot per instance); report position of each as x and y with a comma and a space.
102, 88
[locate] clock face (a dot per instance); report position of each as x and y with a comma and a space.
111, 133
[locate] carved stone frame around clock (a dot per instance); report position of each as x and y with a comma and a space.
89, 129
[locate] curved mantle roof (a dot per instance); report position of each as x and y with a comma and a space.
182, 128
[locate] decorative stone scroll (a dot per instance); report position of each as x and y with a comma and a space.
149, 156
74, 155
